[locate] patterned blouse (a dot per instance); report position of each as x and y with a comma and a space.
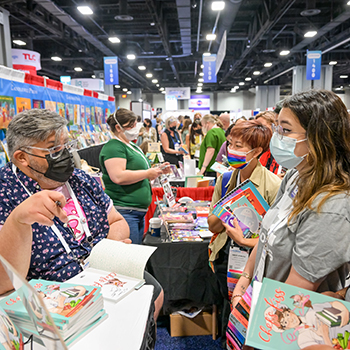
49, 259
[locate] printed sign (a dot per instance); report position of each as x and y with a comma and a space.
65, 79
111, 70
181, 93
209, 69
201, 102
313, 65
88, 83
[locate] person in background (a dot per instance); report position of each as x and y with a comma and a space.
180, 119
154, 121
171, 142
187, 117
213, 140
159, 127
267, 118
248, 140
304, 238
185, 130
223, 148
240, 120
194, 139
225, 120
127, 173
147, 132
197, 116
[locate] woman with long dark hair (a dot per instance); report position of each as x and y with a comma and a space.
194, 139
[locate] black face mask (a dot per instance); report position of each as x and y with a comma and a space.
198, 131
173, 128
60, 169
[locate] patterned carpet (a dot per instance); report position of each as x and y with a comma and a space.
166, 342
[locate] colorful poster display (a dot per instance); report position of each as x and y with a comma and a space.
16, 97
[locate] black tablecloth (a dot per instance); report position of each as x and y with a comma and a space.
183, 271
91, 155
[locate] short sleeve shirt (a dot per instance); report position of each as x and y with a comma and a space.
137, 195
49, 259
317, 245
222, 152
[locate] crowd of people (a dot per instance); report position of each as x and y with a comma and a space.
297, 156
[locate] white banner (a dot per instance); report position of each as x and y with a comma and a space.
199, 102
88, 83
221, 53
26, 58
170, 103
181, 93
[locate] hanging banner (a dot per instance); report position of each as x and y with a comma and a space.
313, 65
209, 69
200, 103
170, 103
89, 83
111, 70
220, 56
181, 93
26, 60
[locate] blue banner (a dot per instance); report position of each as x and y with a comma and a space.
313, 65
111, 70
209, 69
16, 97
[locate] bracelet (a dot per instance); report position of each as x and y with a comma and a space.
246, 275
235, 296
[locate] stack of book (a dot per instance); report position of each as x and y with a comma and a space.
75, 309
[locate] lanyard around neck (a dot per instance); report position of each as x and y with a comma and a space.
138, 150
54, 227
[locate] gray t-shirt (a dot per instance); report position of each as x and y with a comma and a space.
316, 244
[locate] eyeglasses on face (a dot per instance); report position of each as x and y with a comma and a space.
57, 151
282, 132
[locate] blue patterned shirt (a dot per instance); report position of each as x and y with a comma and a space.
49, 259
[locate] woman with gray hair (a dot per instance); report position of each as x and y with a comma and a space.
171, 142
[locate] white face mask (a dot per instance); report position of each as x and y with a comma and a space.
132, 134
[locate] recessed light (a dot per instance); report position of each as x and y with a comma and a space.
332, 63
85, 10
141, 67
236, 87
117, 86
348, 3
163, 92
211, 36
130, 56
202, 66
256, 72
114, 39
152, 24
129, 92
56, 58
161, 89
200, 80
344, 76
248, 79
268, 64
154, 81
310, 34
93, 76
19, 42
284, 52
157, 85
78, 69
200, 84
125, 89
218, 5
206, 54
241, 83
149, 75
201, 74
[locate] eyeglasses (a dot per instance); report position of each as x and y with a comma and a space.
57, 151
282, 132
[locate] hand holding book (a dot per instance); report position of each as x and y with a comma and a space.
237, 235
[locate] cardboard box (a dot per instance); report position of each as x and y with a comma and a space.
181, 326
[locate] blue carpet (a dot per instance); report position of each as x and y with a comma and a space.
166, 342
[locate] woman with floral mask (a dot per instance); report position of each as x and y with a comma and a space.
304, 239
171, 142
127, 173
249, 140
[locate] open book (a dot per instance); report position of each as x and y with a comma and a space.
116, 267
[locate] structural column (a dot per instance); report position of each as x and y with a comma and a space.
266, 96
5, 39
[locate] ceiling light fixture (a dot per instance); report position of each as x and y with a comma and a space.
343, 76
236, 87
85, 10
129, 92
163, 92
256, 72
78, 69
157, 85
348, 3
161, 89
268, 64
241, 83
202, 66
154, 81
206, 54
200, 84
130, 56
125, 89
19, 42
333, 63
284, 52
56, 58
211, 37
218, 5
117, 86
201, 74
141, 67
248, 79
93, 76
310, 34
200, 80
149, 75
114, 39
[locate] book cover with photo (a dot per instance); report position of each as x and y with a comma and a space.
7, 110
288, 317
10, 335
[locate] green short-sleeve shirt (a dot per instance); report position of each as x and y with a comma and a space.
137, 195
213, 139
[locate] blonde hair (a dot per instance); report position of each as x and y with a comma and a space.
269, 116
170, 120
209, 118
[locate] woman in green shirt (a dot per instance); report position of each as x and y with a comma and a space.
210, 147
127, 173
